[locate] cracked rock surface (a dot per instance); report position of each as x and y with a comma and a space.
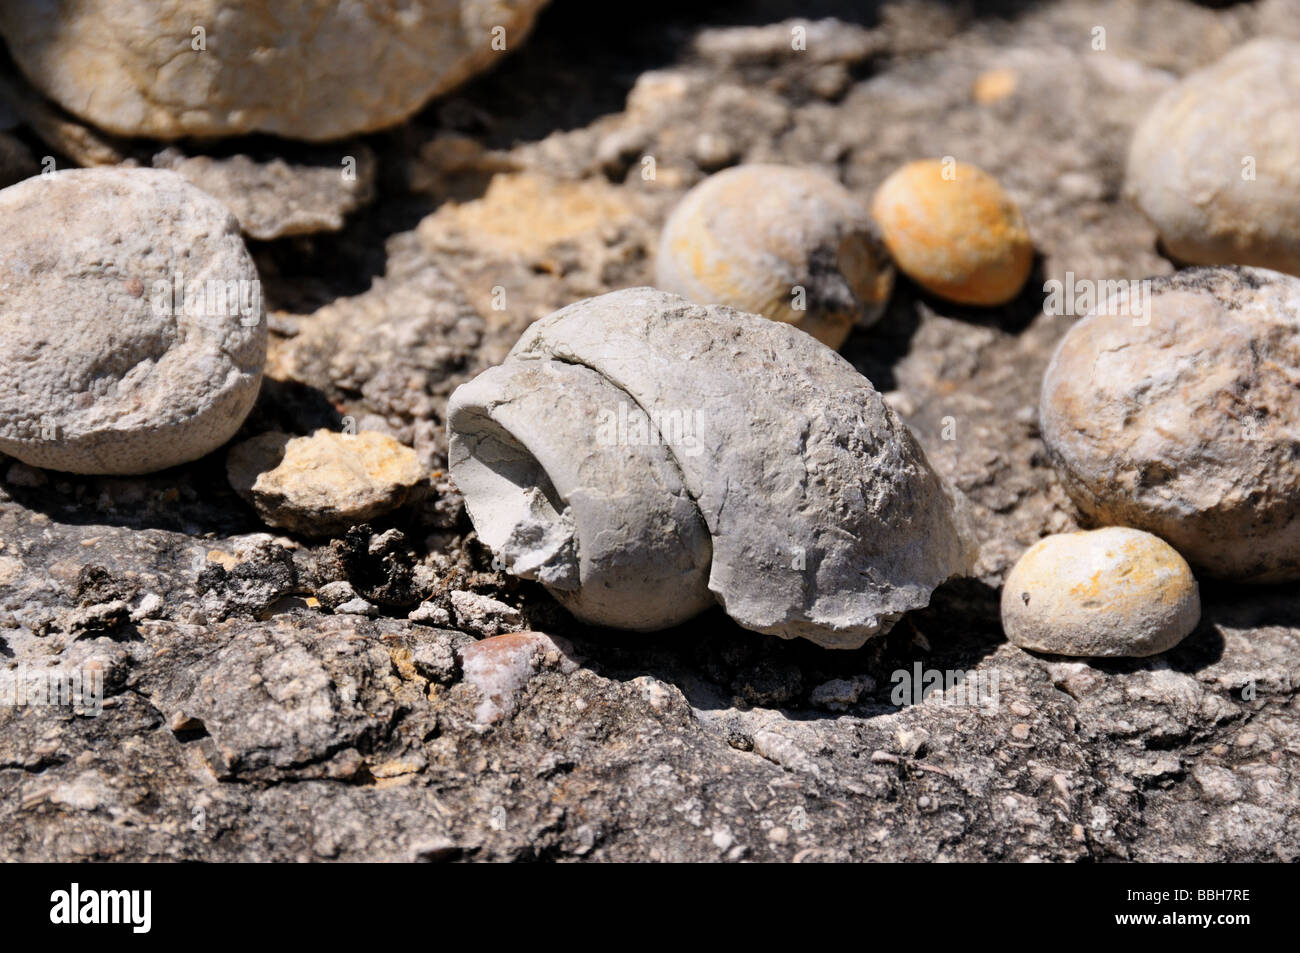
243, 720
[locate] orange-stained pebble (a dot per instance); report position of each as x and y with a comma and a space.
994, 85
954, 231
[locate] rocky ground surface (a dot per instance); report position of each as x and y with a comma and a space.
245, 720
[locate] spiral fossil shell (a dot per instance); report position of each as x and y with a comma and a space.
793, 495
790, 244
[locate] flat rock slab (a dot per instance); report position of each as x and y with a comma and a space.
275, 197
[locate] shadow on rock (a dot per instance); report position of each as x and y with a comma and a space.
719, 665
1013, 317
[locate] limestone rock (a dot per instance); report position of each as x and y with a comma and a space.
483, 614
275, 197
1098, 593
1215, 165
133, 334
319, 70
325, 483
1184, 419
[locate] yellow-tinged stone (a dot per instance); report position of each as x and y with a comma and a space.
526, 213
954, 230
223, 559
790, 244
1106, 592
322, 484
994, 85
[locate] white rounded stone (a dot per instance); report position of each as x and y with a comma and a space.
306, 69
133, 333
1215, 165
1100, 593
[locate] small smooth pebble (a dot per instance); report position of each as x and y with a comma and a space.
790, 244
1185, 420
501, 668
122, 350
1215, 165
323, 484
1113, 592
954, 231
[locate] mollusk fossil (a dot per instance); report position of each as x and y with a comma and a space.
643, 457
790, 244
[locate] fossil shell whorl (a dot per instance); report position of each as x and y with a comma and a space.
610, 531
764, 238
824, 517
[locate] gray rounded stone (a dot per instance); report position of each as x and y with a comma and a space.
304, 70
133, 334
1185, 420
824, 518
1215, 165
